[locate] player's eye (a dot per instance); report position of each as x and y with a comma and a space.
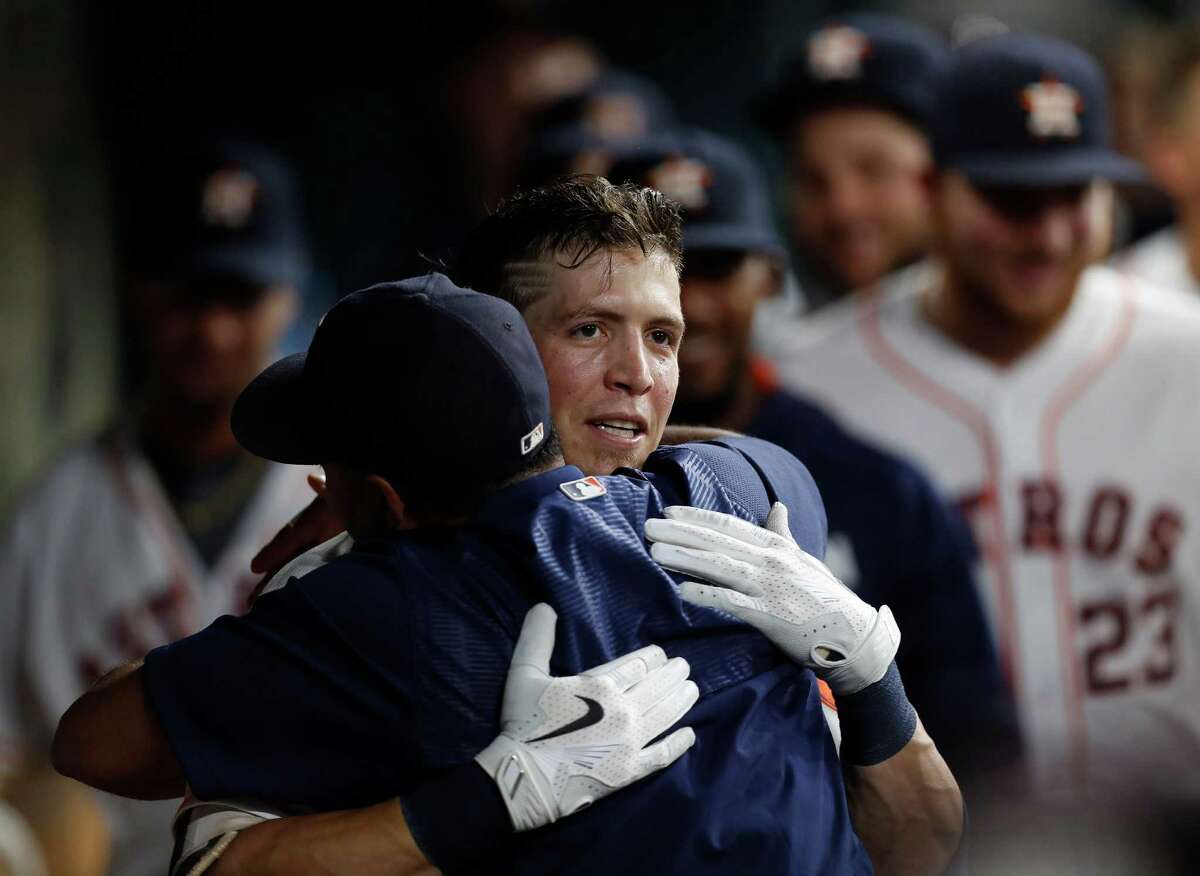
663, 337
586, 331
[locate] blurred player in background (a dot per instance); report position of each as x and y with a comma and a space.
892, 538
145, 534
587, 132
1055, 402
852, 114
1171, 257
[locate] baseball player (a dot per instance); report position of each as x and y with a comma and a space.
383, 660
1171, 257
892, 538
143, 534
851, 113
1054, 402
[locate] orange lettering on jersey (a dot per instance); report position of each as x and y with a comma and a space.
1041, 503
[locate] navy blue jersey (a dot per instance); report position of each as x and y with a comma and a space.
913, 553
378, 671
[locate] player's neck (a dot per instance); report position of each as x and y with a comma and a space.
972, 321
191, 434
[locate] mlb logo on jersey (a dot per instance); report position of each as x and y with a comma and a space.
583, 489
1053, 108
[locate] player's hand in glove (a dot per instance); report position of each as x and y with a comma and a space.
764, 578
566, 742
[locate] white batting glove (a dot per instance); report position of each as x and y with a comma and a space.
567, 742
791, 597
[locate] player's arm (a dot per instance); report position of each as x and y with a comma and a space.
904, 801
110, 739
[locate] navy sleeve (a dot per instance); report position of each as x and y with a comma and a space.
778, 477
310, 700
947, 652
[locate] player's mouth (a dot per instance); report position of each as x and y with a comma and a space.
620, 429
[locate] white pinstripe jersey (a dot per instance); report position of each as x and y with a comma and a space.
96, 570
1079, 469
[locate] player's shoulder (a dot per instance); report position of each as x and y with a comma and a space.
837, 457
1158, 257
1160, 314
751, 474
65, 484
835, 332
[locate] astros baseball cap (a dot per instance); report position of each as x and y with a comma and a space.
231, 208
724, 199
863, 59
418, 378
1026, 110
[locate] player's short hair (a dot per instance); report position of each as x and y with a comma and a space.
574, 217
1178, 55
431, 502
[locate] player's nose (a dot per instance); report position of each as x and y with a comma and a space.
628, 368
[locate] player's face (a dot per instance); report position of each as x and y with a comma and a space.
720, 290
859, 204
1016, 251
206, 343
608, 332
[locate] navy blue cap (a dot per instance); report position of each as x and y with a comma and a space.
615, 110
863, 59
724, 198
1026, 110
420, 378
232, 209
617, 105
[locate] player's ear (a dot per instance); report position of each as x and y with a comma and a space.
387, 497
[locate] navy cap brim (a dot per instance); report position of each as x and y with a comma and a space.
1068, 167
716, 235
276, 418
265, 266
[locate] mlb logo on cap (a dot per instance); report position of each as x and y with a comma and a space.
837, 52
530, 442
583, 489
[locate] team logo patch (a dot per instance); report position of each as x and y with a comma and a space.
531, 441
837, 52
228, 198
583, 489
1053, 108
682, 180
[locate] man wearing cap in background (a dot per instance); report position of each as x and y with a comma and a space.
892, 538
851, 114
1056, 403
1170, 257
144, 534
384, 665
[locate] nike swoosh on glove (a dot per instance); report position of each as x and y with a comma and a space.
791, 597
567, 742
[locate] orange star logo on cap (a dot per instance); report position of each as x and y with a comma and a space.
683, 180
228, 198
837, 52
1053, 108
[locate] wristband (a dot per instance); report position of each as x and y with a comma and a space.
463, 804
877, 721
